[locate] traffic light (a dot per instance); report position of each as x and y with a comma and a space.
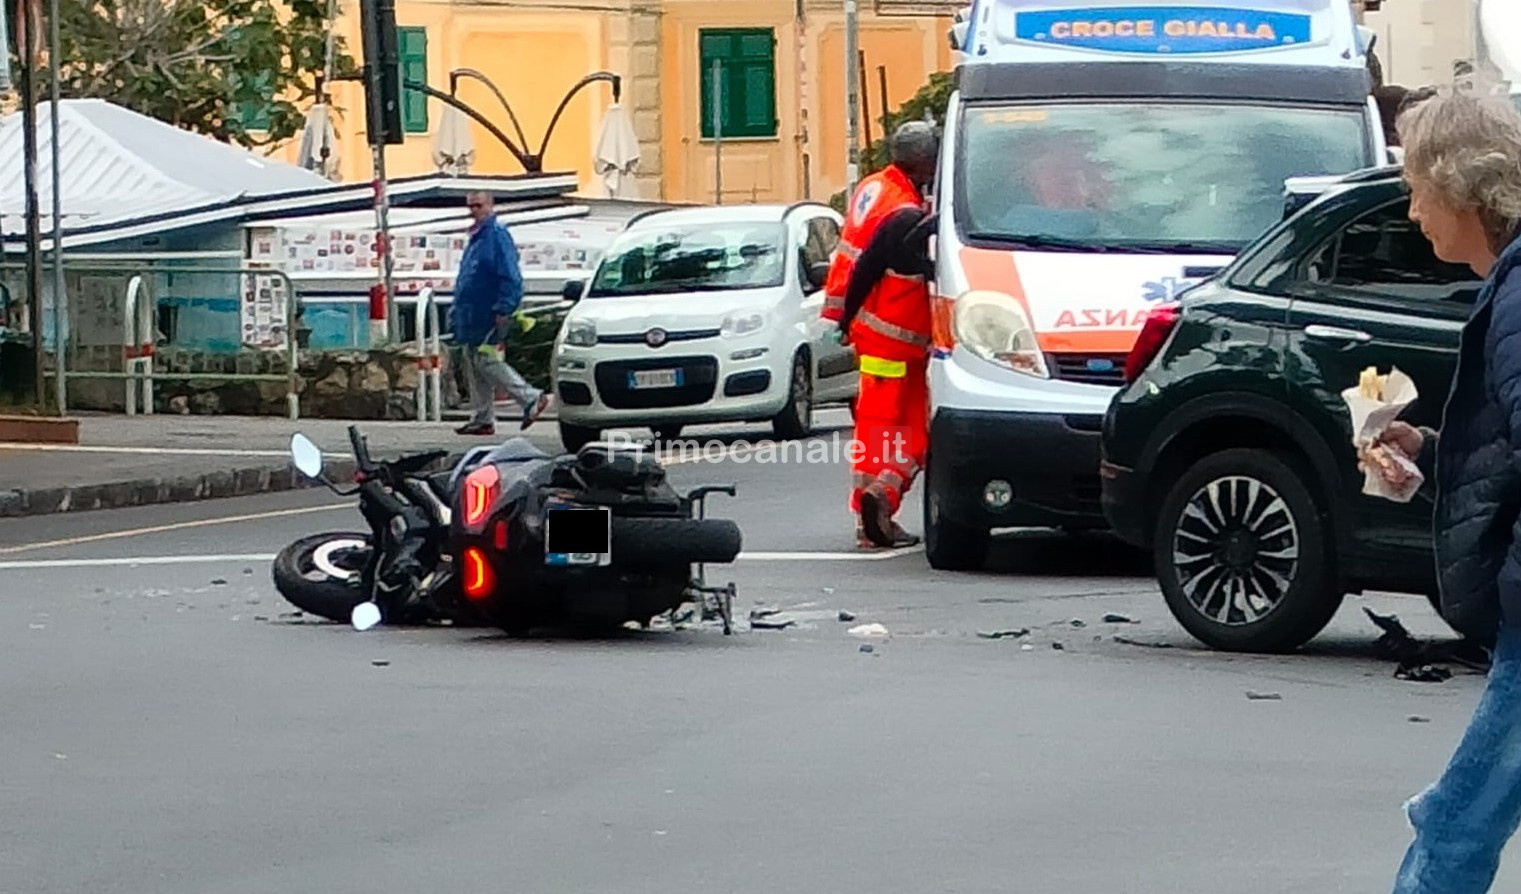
382, 72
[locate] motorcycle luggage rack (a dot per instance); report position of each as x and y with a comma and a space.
711, 602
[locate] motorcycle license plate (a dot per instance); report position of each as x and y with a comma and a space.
578, 536
654, 378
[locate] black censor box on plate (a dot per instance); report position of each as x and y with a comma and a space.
579, 531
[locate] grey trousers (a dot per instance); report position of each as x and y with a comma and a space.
486, 375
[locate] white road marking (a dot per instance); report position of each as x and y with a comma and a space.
245, 558
177, 526
143, 451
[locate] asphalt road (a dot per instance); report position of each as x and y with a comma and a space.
169, 732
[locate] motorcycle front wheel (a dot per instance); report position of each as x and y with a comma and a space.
324, 574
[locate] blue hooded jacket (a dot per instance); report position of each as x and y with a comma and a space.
1477, 464
489, 282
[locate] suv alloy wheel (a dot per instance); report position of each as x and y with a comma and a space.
1243, 556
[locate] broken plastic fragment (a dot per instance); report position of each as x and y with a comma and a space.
1263, 696
1004, 634
1115, 618
846, 617
868, 630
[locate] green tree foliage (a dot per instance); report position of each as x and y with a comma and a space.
241, 71
933, 97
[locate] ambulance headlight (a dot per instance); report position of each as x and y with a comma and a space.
995, 327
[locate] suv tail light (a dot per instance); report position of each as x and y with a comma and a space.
1158, 326
482, 487
478, 579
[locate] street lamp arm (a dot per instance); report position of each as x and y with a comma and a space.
608, 76
529, 164
471, 73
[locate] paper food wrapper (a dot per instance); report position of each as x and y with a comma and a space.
1370, 418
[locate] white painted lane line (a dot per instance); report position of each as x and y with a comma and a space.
131, 561
142, 451
234, 558
177, 526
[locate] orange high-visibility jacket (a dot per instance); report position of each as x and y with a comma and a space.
894, 325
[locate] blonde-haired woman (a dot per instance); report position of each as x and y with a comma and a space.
1463, 166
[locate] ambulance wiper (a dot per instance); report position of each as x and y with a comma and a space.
1052, 243
1183, 248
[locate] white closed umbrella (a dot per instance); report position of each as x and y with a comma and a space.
453, 144
617, 153
318, 136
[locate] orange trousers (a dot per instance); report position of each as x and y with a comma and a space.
892, 433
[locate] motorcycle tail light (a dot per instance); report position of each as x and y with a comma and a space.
499, 537
478, 582
481, 489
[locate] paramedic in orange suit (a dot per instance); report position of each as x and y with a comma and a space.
878, 294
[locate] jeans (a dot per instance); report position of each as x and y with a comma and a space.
1463, 821
487, 373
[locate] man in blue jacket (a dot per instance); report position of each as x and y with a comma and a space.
487, 291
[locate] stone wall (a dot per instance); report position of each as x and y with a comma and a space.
354, 384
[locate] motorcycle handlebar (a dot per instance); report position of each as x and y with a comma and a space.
361, 450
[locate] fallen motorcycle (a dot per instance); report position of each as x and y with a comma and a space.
512, 537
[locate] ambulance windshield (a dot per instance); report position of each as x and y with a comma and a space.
1159, 176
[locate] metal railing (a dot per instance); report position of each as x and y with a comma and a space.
138, 330
137, 347
429, 360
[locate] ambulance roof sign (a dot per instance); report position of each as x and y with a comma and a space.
1171, 30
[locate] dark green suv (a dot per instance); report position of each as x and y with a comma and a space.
1229, 452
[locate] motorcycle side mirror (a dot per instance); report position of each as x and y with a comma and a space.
306, 455
365, 616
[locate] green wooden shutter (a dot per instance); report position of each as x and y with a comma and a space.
747, 104
412, 46
255, 115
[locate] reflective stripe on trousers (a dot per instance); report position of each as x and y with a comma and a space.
892, 330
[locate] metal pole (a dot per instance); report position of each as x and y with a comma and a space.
718, 133
383, 330
29, 29
866, 105
882, 98
60, 298
852, 99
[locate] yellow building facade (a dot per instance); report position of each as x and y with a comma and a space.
780, 66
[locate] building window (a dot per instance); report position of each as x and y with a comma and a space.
412, 48
746, 63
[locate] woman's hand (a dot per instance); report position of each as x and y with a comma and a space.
1404, 437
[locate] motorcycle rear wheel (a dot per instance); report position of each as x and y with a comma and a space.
323, 574
674, 541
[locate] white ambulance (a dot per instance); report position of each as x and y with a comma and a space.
1097, 160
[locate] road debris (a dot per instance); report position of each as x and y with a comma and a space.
1423, 662
1114, 618
1079, 622
1058, 647
756, 613
846, 617
1125, 640
1015, 633
1026, 648
1416, 718
1263, 696
381, 662
769, 623
1424, 673
218, 582
868, 648
868, 630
